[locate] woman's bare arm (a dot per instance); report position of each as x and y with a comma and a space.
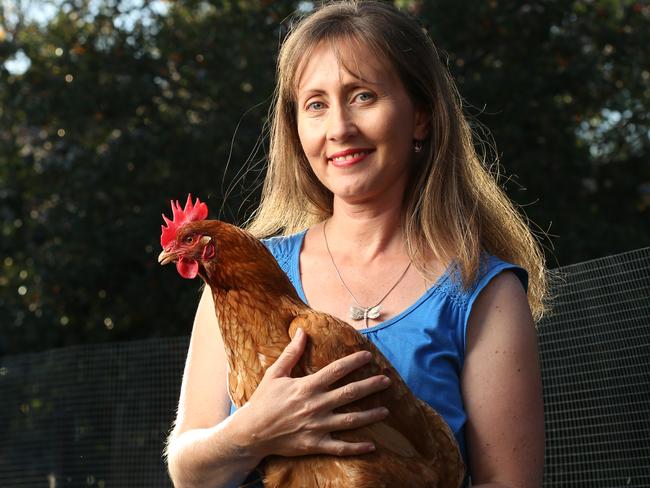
502, 389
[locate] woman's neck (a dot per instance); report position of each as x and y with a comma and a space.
364, 233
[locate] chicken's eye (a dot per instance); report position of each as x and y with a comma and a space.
189, 239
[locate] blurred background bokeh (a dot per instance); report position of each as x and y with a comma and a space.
110, 108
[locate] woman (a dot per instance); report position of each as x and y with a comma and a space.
391, 223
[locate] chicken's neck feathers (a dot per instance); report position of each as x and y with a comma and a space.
255, 330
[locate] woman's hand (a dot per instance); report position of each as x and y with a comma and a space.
294, 416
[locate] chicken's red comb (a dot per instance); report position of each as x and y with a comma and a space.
191, 212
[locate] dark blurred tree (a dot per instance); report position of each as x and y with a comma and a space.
126, 104
564, 87
120, 111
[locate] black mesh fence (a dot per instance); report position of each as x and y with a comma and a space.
89, 415
98, 416
595, 353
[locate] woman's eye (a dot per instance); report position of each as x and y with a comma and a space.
315, 106
365, 97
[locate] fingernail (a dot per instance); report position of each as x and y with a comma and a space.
367, 355
298, 333
371, 447
385, 380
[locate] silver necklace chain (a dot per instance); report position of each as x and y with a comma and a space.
359, 312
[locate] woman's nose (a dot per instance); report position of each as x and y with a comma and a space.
340, 123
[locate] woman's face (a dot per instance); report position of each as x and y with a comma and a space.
356, 128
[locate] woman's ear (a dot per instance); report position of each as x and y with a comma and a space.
422, 124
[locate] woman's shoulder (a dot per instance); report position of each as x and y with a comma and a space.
489, 267
492, 265
462, 299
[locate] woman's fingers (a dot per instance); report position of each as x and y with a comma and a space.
296, 415
341, 368
290, 356
342, 448
355, 391
347, 421
354, 420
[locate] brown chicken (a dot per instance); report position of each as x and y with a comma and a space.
258, 311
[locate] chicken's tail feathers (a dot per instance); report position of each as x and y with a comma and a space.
382, 434
325, 471
449, 457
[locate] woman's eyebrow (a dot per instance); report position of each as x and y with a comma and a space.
347, 86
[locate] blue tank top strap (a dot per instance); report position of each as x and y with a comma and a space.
286, 251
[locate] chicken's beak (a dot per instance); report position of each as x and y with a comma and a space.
167, 257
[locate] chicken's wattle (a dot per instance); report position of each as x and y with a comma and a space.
187, 268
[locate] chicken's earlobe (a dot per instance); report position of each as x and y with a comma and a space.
208, 248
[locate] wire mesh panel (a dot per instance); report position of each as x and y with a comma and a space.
89, 415
98, 416
595, 355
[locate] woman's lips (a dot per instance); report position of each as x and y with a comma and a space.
349, 157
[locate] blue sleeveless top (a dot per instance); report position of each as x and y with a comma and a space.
426, 342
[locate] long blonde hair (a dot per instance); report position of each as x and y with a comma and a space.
453, 207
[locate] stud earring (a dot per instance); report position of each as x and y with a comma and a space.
417, 145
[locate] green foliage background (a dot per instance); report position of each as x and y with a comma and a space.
127, 104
